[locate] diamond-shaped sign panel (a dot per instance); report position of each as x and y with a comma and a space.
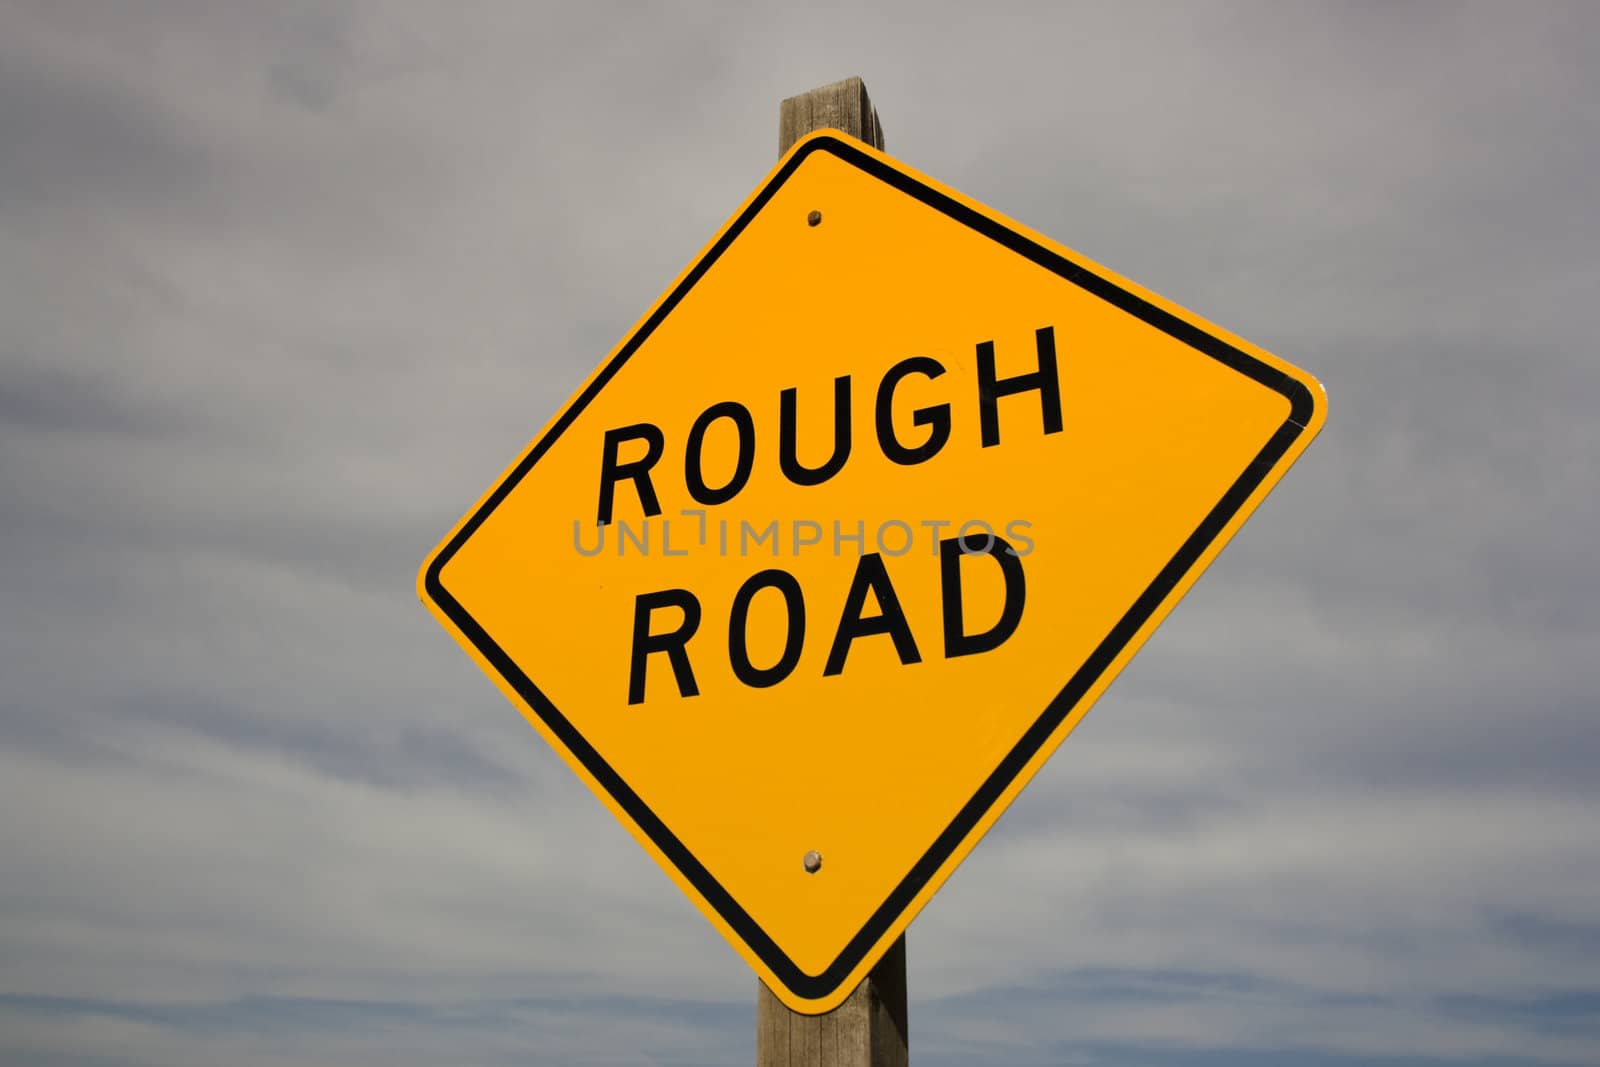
841, 542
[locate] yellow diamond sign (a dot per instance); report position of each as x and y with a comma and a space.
837, 546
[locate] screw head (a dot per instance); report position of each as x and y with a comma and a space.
814, 219
812, 862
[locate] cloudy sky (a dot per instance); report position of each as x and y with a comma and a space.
283, 286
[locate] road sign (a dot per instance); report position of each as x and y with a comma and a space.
806, 587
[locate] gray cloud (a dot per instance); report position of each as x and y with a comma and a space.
283, 287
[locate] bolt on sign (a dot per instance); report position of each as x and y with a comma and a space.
845, 537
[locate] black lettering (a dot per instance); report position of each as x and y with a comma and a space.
636, 470
738, 622
957, 642
1046, 380
871, 576
674, 643
788, 449
936, 418
694, 477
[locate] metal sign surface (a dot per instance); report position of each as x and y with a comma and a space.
846, 536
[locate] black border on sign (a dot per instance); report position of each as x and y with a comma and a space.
815, 987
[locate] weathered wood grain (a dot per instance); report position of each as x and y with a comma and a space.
843, 106
867, 1030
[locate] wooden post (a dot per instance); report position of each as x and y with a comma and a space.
869, 1029
842, 106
